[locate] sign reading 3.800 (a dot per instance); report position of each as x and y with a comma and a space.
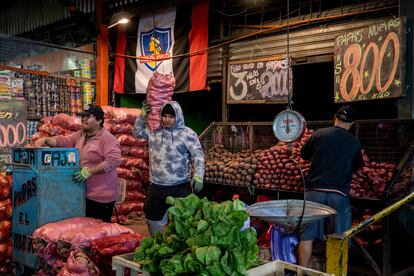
369, 62
13, 122
259, 81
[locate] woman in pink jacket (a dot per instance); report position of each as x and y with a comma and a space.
100, 155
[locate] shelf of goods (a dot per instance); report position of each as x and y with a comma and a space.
247, 154
134, 166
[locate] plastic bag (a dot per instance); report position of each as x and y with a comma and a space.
134, 196
51, 232
129, 162
129, 140
122, 128
160, 90
125, 150
139, 152
67, 122
283, 245
133, 185
78, 264
52, 130
83, 236
129, 206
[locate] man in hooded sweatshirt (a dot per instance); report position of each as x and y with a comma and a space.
173, 149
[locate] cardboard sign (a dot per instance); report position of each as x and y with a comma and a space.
259, 81
369, 62
13, 123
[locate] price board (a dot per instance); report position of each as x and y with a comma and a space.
259, 81
369, 62
13, 123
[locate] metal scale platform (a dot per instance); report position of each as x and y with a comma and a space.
287, 213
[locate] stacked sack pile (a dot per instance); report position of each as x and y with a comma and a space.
62, 247
134, 168
5, 224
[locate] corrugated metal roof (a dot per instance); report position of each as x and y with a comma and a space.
22, 16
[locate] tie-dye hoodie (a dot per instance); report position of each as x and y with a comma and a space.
172, 150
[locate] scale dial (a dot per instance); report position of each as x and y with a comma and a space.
289, 126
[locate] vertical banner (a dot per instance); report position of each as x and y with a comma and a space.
369, 62
154, 42
169, 41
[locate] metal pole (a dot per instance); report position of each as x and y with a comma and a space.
337, 244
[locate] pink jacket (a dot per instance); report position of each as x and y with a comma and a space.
102, 148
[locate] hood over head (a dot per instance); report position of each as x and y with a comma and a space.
179, 116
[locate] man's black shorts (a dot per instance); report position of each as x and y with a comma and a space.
155, 206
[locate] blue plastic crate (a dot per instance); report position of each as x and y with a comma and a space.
43, 192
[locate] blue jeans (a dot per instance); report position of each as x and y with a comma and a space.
338, 223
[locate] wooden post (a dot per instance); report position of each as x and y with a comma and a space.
102, 57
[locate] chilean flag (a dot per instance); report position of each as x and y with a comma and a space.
156, 38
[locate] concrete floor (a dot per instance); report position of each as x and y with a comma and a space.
139, 226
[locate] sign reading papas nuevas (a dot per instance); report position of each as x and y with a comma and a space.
369, 62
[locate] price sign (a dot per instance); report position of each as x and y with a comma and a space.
13, 121
369, 62
259, 81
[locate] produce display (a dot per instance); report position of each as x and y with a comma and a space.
102, 250
134, 169
202, 238
401, 188
55, 243
159, 91
134, 166
278, 168
225, 167
78, 264
372, 179
5, 224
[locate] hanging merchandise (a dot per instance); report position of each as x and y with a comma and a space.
87, 87
5, 87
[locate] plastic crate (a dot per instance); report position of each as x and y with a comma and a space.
283, 268
121, 262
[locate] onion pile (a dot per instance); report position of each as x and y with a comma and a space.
372, 179
277, 170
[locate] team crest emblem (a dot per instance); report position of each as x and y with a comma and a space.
155, 44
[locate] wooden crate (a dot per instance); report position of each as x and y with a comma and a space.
280, 268
119, 263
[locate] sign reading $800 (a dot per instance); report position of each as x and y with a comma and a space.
369, 62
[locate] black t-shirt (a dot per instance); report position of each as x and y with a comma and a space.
335, 154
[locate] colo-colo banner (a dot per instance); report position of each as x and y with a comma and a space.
369, 62
157, 37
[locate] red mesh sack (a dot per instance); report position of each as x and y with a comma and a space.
159, 91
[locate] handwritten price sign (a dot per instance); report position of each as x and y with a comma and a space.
13, 121
259, 81
369, 62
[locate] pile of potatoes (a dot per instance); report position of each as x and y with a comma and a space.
225, 167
